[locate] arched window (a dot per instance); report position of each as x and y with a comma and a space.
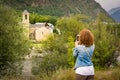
25, 17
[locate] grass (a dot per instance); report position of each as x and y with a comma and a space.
68, 74
112, 74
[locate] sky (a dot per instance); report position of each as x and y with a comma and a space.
109, 4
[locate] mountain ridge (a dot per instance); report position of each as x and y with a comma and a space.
115, 13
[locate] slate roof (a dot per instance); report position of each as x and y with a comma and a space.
25, 11
38, 25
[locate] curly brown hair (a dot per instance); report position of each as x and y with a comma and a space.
86, 37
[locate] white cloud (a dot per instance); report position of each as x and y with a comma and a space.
109, 4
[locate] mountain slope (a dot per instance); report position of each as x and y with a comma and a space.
57, 7
115, 13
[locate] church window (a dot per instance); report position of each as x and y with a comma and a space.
26, 17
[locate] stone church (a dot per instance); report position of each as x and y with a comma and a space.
37, 31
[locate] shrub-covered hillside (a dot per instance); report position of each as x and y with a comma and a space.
57, 7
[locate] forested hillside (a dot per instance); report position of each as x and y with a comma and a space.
57, 7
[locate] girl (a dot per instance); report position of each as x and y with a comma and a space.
83, 52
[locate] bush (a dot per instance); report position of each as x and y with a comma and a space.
50, 63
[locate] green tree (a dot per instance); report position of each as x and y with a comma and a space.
70, 44
70, 26
13, 44
40, 18
104, 54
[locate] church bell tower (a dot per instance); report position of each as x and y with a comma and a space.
25, 21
